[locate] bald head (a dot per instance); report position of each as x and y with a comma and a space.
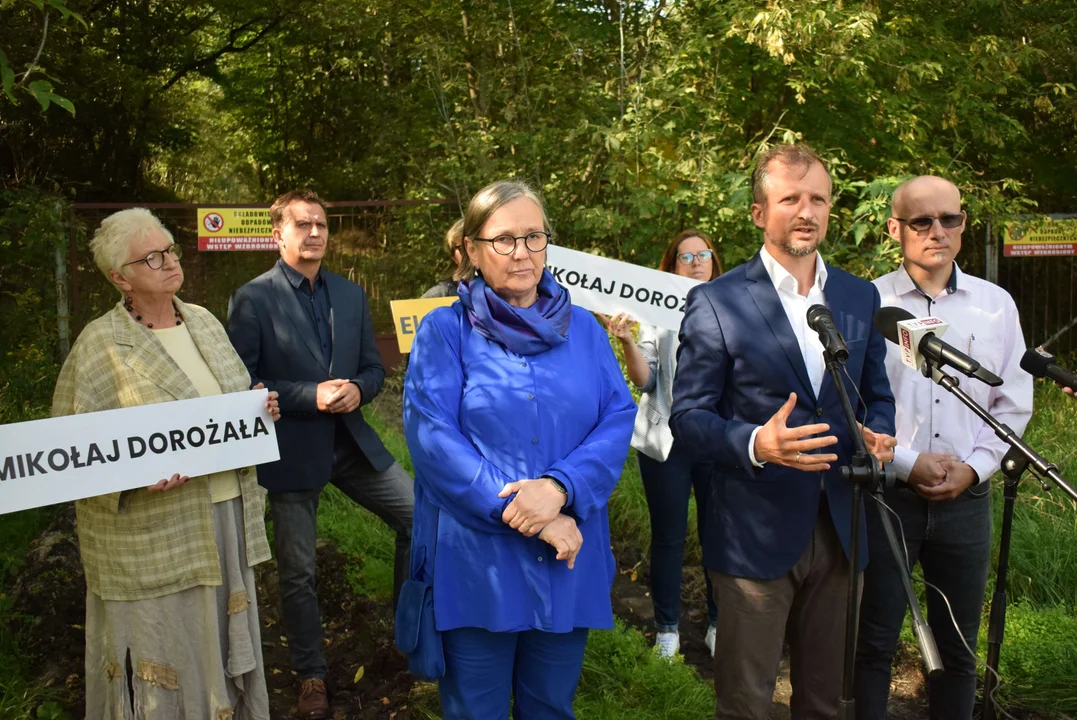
927, 221
924, 191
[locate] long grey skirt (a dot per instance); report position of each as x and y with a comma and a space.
191, 655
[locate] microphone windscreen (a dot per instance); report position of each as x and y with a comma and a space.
886, 320
1035, 362
817, 312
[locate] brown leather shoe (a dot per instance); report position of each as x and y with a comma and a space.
313, 700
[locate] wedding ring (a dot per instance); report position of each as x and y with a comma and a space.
797, 458
525, 528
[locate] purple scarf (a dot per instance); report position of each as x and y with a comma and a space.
524, 331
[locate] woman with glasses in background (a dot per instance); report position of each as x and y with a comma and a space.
668, 471
518, 421
172, 624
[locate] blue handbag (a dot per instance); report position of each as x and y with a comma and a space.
416, 635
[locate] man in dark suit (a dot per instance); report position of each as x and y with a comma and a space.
752, 396
307, 333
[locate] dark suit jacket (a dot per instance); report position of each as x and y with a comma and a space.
737, 364
276, 340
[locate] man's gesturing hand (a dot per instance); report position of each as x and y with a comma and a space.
879, 444
783, 445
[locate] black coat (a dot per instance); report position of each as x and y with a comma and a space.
277, 342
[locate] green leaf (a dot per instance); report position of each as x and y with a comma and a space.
40, 86
64, 103
7, 77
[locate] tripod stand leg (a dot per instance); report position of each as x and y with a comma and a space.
1013, 465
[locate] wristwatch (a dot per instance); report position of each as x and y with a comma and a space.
557, 483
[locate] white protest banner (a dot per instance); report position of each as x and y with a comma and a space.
43, 462
608, 286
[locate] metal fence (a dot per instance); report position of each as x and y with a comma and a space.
1042, 287
394, 249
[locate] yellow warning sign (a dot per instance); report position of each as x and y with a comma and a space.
243, 228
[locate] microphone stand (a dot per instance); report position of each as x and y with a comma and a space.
1018, 458
865, 470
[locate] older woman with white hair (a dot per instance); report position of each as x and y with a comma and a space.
172, 626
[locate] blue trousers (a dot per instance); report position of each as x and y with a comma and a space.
952, 542
668, 485
538, 670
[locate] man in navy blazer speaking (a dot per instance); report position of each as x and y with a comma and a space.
307, 333
752, 396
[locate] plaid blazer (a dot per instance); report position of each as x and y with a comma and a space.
137, 544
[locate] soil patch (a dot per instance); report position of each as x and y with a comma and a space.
48, 601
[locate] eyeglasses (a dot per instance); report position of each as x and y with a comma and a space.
925, 222
506, 244
687, 258
156, 259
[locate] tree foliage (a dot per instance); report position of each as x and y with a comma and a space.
636, 117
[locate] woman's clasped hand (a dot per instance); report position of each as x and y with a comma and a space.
536, 510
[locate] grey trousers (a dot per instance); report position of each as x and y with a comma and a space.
806, 607
389, 494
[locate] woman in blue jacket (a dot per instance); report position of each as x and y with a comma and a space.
518, 421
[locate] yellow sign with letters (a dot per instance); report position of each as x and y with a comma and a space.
235, 228
407, 314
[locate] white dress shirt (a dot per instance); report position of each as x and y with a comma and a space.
796, 310
984, 324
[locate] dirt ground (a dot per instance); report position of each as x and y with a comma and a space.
49, 609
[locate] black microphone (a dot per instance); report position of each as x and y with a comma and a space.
821, 321
892, 322
1040, 363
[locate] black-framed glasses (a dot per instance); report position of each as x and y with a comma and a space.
687, 258
156, 259
925, 222
506, 244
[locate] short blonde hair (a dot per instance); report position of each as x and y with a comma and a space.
484, 204
112, 240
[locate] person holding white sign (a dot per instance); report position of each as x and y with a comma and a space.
518, 421
668, 470
171, 611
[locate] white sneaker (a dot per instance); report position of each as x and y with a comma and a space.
667, 644
708, 639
